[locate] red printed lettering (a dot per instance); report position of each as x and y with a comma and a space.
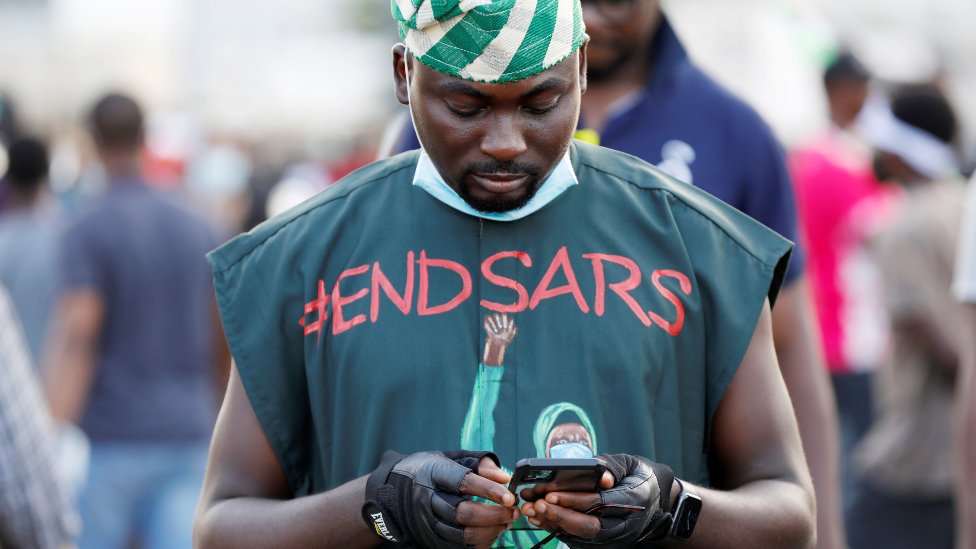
620, 288
543, 291
673, 329
338, 302
316, 305
379, 279
523, 294
422, 308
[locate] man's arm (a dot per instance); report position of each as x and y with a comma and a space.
73, 344
764, 496
966, 442
246, 502
802, 365
222, 357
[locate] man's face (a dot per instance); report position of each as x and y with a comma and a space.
618, 30
846, 98
494, 144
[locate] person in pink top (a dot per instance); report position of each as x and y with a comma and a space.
841, 204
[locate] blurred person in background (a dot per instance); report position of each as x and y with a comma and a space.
9, 132
840, 204
964, 287
9, 129
34, 508
137, 358
647, 99
904, 462
29, 240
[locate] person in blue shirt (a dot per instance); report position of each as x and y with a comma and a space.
646, 98
135, 356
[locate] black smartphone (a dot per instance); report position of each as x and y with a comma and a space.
535, 477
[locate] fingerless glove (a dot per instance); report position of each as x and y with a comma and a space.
412, 500
639, 482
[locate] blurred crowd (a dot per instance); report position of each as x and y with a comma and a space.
113, 361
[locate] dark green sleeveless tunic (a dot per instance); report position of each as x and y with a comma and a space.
357, 320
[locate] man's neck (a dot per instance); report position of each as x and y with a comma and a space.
121, 167
841, 121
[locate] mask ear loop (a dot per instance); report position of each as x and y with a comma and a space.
406, 74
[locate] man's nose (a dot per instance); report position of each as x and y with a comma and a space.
503, 140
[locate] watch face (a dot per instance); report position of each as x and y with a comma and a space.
684, 523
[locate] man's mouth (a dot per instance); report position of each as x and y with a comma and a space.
500, 183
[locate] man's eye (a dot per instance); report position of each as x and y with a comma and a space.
464, 111
543, 109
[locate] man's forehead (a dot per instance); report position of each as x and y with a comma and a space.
560, 76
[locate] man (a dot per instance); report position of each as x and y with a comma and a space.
34, 508
29, 241
841, 207
134, 360
647, 99
335, 364
904, 462
964, 287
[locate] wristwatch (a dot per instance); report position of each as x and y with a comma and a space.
684, 515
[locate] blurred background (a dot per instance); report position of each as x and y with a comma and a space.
264, 75
254, 106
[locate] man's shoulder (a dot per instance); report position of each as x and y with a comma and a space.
684, 200
638, 173
701, 90
327, 203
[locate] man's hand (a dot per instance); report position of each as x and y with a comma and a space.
486, 523
501, 331
642, 484
423, 500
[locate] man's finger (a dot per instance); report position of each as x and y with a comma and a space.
536, 519
477, 485
488, 469
473, 513
573, 522
607, 482
578, 501
476, 535
543, 524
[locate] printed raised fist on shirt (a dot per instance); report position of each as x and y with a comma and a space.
501, 331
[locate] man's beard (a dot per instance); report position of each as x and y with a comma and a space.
499, 205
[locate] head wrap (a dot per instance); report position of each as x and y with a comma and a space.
924, 152
490, 40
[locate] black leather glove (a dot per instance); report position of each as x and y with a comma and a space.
411, 500
639, 482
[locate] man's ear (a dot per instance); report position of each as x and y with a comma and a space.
582, 64
400, 82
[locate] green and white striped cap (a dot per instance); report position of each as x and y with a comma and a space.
490, 40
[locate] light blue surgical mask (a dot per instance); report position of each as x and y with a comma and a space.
429, 179
570, 450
